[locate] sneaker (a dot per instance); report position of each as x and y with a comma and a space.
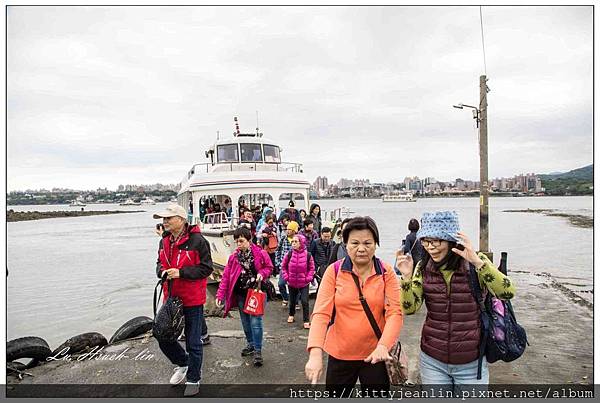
191, 388
284, 303
258, 361
179, 375
248, 350
205, 340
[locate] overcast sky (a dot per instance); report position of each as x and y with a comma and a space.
102, 96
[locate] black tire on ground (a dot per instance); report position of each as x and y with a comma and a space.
32, 347
131, 328
80, 342
15, 366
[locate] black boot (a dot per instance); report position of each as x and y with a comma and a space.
258, 361
248, 350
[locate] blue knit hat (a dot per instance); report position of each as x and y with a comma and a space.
439, 225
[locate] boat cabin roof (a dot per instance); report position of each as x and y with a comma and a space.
244, 148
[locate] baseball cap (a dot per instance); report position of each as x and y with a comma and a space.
171, 211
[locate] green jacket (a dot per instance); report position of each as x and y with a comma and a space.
489, 276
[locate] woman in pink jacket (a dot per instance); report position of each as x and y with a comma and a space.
246, 267
298, 270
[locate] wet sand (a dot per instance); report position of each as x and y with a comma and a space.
558, 324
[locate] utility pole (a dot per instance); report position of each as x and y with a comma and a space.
480, 116
483, 171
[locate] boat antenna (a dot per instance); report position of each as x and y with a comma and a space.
237, 126
257, 124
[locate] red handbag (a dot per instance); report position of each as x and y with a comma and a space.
255, 302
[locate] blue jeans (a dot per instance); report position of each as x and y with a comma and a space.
283, 289
194, 316
252, 325
204, 331
455, 376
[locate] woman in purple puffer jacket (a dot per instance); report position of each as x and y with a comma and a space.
246, 267
298, 270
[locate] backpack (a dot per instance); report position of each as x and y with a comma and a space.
271, 243
169, 321
502, 338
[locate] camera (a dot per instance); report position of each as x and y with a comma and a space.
160, 227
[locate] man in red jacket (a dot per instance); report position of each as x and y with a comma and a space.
184, 254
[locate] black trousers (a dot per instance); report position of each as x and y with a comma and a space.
301, 293
342, 375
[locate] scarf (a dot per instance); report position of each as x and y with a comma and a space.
248, 275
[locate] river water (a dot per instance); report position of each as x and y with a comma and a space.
74, 275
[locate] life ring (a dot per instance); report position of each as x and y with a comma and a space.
31, 347
79, 343
131, 328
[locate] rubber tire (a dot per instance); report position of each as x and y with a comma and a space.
81, 342
32, 347
15, 366
131, 328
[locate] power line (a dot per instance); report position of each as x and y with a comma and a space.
482, 41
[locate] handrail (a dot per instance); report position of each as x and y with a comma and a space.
280, 167
216, 218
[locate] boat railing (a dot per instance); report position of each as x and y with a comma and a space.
217, 220
244, 166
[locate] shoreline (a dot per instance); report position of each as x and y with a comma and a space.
559, 355
17, 216
576, 220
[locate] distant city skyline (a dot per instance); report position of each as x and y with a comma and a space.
172, 186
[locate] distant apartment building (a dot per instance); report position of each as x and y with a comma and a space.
529, 183
345, 183
321, 186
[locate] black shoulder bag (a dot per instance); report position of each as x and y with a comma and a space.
169, 321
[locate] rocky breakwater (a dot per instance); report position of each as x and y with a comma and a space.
13, 216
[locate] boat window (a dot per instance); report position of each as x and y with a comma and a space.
228, 153
272, 153
251, 152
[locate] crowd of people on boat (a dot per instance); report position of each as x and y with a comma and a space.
361, 300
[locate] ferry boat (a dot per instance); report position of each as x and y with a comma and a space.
402, 197
77, 203
148, 201
246, 169
130, 202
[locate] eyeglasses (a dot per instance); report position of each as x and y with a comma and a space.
431, 242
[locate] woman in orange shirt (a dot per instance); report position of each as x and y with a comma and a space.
340, 325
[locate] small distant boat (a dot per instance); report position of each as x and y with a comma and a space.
403, 197
77, 203
129, 202
148, 200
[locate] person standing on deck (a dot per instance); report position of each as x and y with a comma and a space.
315, 214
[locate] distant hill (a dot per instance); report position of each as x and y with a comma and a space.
583, 174
576, 182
